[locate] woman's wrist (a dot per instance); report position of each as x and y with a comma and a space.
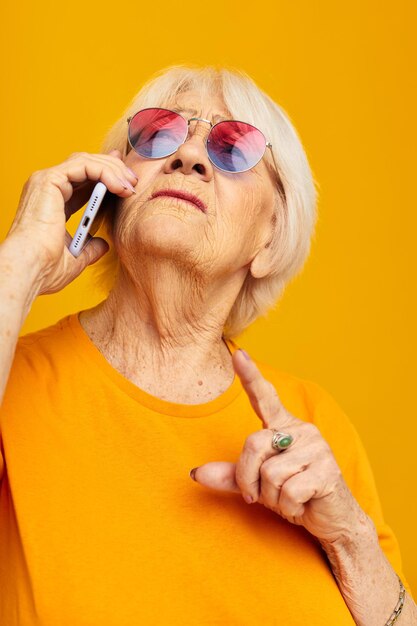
360, 532
22, 269
368, 583
21, 273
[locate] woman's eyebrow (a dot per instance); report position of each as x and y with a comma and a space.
193, 113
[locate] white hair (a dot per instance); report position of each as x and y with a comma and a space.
296, 197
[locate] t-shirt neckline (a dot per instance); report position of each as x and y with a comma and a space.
90, 351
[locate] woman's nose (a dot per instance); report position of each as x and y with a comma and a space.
192, 154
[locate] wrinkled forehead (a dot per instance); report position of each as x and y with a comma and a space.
194, 103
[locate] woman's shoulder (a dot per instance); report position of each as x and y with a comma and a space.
39, 351
41, 359
43, 335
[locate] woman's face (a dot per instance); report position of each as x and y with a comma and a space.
237, 222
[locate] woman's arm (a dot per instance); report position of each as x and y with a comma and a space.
34, 258
20, 280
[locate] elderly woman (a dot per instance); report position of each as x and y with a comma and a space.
210, 212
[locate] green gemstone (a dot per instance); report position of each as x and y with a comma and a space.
285, 442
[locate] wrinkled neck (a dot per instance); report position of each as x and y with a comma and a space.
163, 321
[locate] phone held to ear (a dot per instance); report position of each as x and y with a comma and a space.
89, 224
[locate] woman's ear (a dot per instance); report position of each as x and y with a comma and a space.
262, 263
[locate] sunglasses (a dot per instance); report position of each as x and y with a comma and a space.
232, 146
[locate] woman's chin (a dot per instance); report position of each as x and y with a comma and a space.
165, 236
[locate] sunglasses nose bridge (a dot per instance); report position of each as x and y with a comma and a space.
199, 130
201, 119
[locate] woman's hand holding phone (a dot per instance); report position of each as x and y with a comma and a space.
49, 198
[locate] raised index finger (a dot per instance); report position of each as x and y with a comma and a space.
262, 394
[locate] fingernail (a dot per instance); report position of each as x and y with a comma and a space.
132, 172
130, 186
122, 181
248, 498
192, 472
245, 354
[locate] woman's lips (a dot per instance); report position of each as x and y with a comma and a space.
179, 193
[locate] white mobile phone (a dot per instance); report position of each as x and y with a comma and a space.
86, 223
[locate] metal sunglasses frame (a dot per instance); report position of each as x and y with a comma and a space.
268, 144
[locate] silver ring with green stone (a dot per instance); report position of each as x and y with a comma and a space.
281, 441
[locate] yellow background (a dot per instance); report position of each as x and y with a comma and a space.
346, 75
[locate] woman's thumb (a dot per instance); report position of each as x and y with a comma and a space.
217, 475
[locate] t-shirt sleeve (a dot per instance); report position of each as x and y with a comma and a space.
353, 461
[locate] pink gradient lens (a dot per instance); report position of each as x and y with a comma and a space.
232, 146
235, 146
155, 133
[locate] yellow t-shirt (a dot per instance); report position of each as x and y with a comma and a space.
101, 525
